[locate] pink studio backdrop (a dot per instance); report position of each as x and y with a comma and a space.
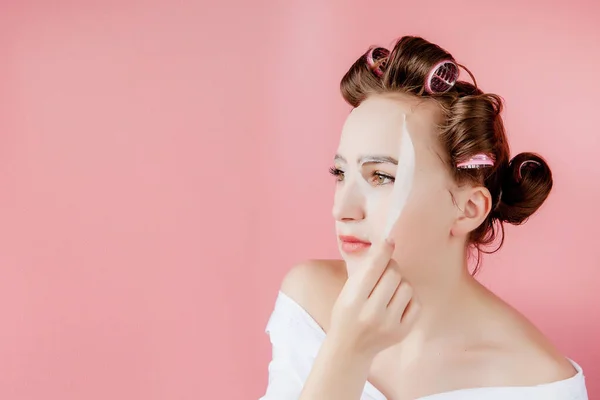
163, 164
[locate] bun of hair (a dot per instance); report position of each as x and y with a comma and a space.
525, 186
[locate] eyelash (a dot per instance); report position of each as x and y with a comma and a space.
339, 174
335, 171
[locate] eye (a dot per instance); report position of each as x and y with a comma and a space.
380, 178
338, 173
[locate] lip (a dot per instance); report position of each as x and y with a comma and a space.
352, 244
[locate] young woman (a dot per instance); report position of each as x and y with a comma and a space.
404, 317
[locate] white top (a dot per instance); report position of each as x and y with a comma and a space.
296, 338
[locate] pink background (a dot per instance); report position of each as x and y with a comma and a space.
162, 166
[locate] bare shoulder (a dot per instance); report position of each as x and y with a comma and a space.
315, 285
540, 360
522, 354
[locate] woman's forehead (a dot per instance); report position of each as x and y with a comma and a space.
375, 126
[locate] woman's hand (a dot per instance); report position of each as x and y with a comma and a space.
375, 308
373, 311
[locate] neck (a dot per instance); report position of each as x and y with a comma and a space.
448, 298
445, 301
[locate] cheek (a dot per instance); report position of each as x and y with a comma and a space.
424, 225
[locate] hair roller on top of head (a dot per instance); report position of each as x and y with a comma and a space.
442, 77
376, 60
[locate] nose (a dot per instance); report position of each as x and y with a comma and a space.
348, 203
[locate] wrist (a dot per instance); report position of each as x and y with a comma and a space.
338, 373
347, 352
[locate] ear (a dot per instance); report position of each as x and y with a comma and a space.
474, 204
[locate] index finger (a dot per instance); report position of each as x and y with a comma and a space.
382, 254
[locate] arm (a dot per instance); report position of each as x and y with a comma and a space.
337, 374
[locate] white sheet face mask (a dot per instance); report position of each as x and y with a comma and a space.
404, 179
402, 184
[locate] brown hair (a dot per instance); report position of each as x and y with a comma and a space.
471, 125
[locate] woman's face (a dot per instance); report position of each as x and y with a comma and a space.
365, 168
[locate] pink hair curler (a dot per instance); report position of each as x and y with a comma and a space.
524, 163
372, 60
442, 77
477, 161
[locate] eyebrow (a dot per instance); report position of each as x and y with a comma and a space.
370, 159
